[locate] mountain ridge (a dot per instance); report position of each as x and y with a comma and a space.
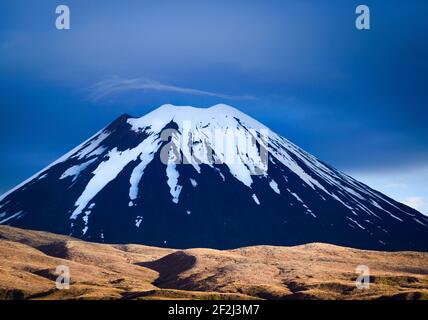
127, 271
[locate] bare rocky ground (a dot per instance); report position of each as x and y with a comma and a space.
28, 261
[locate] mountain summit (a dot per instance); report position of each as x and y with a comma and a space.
191, 177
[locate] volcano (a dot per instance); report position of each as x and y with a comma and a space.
162, 180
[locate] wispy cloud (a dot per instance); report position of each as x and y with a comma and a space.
116, 85
414, 202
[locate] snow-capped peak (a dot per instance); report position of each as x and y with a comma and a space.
220, 115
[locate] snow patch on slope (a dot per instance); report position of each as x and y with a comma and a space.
91, 146
148, 150
256, 200
75, 171
103, 174
16, 216
172, 175
274, 186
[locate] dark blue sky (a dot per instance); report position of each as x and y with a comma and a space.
356, 99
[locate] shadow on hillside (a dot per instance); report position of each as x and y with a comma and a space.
169, 268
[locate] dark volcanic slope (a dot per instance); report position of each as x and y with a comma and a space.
114, 188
